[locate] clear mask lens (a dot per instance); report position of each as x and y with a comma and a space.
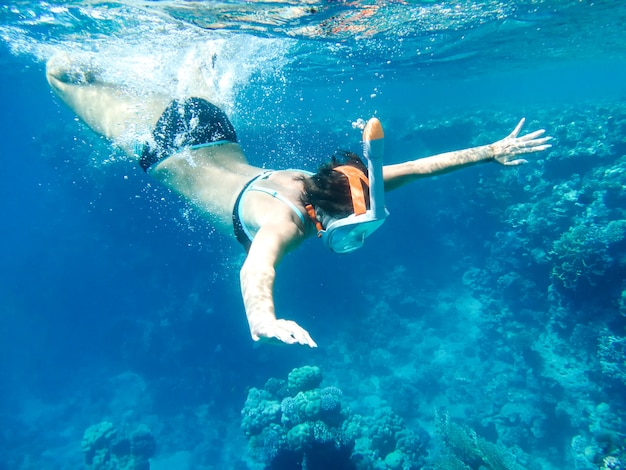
349, 234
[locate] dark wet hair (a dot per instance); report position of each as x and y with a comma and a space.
329, 190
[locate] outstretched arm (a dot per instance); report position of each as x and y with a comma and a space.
503, 151
257, 283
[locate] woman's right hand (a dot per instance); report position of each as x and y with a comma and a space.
285, 331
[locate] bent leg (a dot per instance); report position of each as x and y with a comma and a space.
107, 109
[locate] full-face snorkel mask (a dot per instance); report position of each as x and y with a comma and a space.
346, 234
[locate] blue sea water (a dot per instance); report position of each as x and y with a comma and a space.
488, 315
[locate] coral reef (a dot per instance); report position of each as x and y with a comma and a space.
612, 355
288, 423
106, 448
296, 424
603, 445
463, 448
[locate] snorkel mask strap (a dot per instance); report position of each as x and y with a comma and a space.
356, 178
310, 210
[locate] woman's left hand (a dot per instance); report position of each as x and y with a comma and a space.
504, 150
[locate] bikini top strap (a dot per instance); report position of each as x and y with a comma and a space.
281, 198
247, 187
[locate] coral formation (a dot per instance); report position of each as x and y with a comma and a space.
296, 423
106, 448
612, 355
464, 449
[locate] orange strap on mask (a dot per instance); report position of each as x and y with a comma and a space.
355, 178
313, 216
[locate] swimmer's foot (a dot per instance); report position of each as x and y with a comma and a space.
71, 70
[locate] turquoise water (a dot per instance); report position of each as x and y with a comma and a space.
482, 327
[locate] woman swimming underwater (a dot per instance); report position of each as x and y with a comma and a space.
192, 148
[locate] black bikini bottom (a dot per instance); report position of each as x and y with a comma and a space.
193, 121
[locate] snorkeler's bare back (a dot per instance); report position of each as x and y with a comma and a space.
213, 178
210, 177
